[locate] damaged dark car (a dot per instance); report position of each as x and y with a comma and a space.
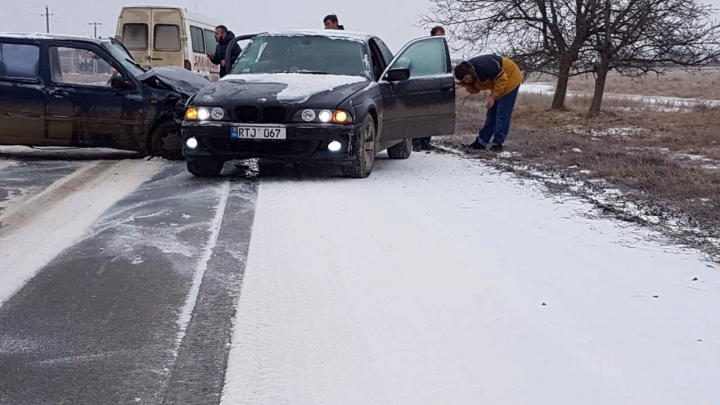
331, 96
84, 92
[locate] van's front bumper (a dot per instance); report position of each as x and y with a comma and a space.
303, 142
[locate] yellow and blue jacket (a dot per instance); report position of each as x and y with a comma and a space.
494, 72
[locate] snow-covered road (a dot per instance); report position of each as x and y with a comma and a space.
436, 281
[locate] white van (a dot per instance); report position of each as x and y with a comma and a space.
169, 36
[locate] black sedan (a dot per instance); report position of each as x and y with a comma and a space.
332, 96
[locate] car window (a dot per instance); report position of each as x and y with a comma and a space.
125, 60
135, 36
298, 54
210, 42
198, 41
167, 37
77, 66
384, 50
19, 61
423, 58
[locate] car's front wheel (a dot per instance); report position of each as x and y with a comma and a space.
205, 166
364, 150
166, 141
402, 150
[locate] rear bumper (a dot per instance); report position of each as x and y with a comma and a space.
304, 142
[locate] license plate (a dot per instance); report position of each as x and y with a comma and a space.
261, 133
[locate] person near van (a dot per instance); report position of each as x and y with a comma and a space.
420, 144
223, 38
331, 23
502, 77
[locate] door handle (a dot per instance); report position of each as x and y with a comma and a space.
58, 93
156, 58
446, 87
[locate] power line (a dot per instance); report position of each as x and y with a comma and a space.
16, 10
95, 24
47, 16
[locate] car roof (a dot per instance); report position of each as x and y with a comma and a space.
336, 34
41, 36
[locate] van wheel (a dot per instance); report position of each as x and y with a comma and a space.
364, 149
402, 150
205, 167
166, 141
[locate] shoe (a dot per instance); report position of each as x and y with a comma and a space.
496, 148
426, 146
476, 145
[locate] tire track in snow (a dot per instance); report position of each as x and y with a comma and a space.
58, 216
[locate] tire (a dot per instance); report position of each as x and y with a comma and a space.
403, 150
166, 141
205, 167
364, 149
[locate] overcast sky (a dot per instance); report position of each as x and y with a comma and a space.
392, 20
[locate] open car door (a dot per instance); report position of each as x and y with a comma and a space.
418, 90
228, 51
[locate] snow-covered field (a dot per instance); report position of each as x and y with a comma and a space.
437, 280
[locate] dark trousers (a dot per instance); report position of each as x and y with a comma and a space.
497, 120
418, 141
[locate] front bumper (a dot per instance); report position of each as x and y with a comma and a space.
304, 142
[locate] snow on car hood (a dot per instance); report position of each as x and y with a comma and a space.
299, 86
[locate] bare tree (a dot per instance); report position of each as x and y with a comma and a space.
543, 35
635, 37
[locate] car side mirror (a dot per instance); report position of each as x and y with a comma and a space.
397, 75
119, 83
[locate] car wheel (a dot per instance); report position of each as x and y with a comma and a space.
205, 167
364, 150
166, 141
403, 150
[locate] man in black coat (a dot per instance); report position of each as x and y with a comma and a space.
223, 38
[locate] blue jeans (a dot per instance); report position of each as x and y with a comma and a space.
497, 120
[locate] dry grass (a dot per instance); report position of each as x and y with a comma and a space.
645, 164
676, 83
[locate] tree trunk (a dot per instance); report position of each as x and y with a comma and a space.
602, 72
558, 102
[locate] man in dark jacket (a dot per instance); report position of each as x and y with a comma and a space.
223, 38
331, 22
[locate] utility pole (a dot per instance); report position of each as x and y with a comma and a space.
95, 23
47, 16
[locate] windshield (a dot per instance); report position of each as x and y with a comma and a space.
124, 59
302, 54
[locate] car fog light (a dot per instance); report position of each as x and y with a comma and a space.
203, 114
325, 116
334, 146
217, 113
191, 143
308, 115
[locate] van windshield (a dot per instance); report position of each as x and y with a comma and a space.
124, 58
302, 54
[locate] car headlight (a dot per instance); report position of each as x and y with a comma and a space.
217, 114
325, 116
203, 114
308, 115
340, 117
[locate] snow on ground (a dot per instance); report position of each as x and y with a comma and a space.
40, 228
661, 103
68, 153
440, 280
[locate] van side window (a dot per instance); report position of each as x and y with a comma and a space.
135, 37
198, 42
210, 42
167, 37
19, 61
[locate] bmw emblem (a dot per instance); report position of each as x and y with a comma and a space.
262, 100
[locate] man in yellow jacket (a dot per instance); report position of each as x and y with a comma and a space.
502, 77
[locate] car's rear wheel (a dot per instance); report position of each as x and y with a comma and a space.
166, 141
364, 150
205, 167
403, 150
